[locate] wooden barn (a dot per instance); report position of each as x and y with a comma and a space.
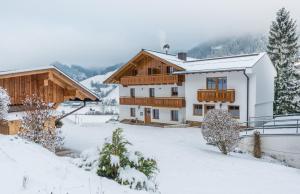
48, 83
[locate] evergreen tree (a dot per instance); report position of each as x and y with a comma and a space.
283, 49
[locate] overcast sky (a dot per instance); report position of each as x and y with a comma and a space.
102, 33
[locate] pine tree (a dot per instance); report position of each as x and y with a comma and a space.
283, 50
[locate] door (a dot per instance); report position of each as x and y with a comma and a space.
147, 115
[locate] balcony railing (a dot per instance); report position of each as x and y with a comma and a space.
216, 95
152, 79
158, 101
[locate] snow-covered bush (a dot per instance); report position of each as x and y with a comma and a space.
36, 125
126, 167
220, 129
4, 102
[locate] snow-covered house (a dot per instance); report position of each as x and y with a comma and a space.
48, 83
173, 89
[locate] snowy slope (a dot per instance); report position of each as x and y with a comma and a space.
189, 166
97, 79
107, 92
46, 172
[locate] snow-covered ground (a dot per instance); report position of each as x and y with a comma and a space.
187, 165
27, 168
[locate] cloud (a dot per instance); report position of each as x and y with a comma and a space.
102, 33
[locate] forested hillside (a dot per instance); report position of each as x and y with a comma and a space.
229, 46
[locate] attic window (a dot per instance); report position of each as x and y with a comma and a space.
170, 69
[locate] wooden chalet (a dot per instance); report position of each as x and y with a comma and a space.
48, 83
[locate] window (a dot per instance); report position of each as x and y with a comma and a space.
149, 71
209, 107
234, 111
174, 91
151, 92
211, 83
134, 72
174, 115
170, 69
222, 83
152, 71
216, 83
132, 112
155, 114
132, 92
198, 109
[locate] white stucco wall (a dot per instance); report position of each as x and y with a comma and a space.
283, 147
264, 96
160, 90
164, 114
235, 80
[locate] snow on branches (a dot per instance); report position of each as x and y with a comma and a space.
283, 51
220, 129
126, 167
4, 102
36, 124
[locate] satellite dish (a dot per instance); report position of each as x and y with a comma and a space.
166, 48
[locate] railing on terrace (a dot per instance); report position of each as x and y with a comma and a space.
216, 95
156, 101
277, 125
152, 79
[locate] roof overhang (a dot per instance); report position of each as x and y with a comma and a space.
208, 71
53, 71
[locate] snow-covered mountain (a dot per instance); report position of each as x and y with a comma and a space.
107, 92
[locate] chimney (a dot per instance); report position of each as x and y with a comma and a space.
182, 56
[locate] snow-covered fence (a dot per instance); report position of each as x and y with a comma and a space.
285, 147
277, 125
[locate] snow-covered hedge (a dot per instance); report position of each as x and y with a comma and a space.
220, 129
126, 167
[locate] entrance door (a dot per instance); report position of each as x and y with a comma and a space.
147, 115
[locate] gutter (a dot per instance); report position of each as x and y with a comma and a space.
244, 72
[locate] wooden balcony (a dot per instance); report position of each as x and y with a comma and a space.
216, 95
152, 79
157, 102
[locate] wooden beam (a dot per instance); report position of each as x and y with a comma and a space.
70, 92
46, 82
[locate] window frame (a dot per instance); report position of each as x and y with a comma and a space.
170, 69
172, 92
235, 106
205, 107
155, 113
194, 108
132, 112
216, 81
176, 117
132, 92
151, 92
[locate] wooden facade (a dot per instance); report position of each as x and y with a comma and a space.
171, 102
216, 95
49, 84
147, 65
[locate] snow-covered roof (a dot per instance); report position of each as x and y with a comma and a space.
238, 62
45, 68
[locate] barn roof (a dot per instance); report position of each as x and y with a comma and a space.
88, 94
